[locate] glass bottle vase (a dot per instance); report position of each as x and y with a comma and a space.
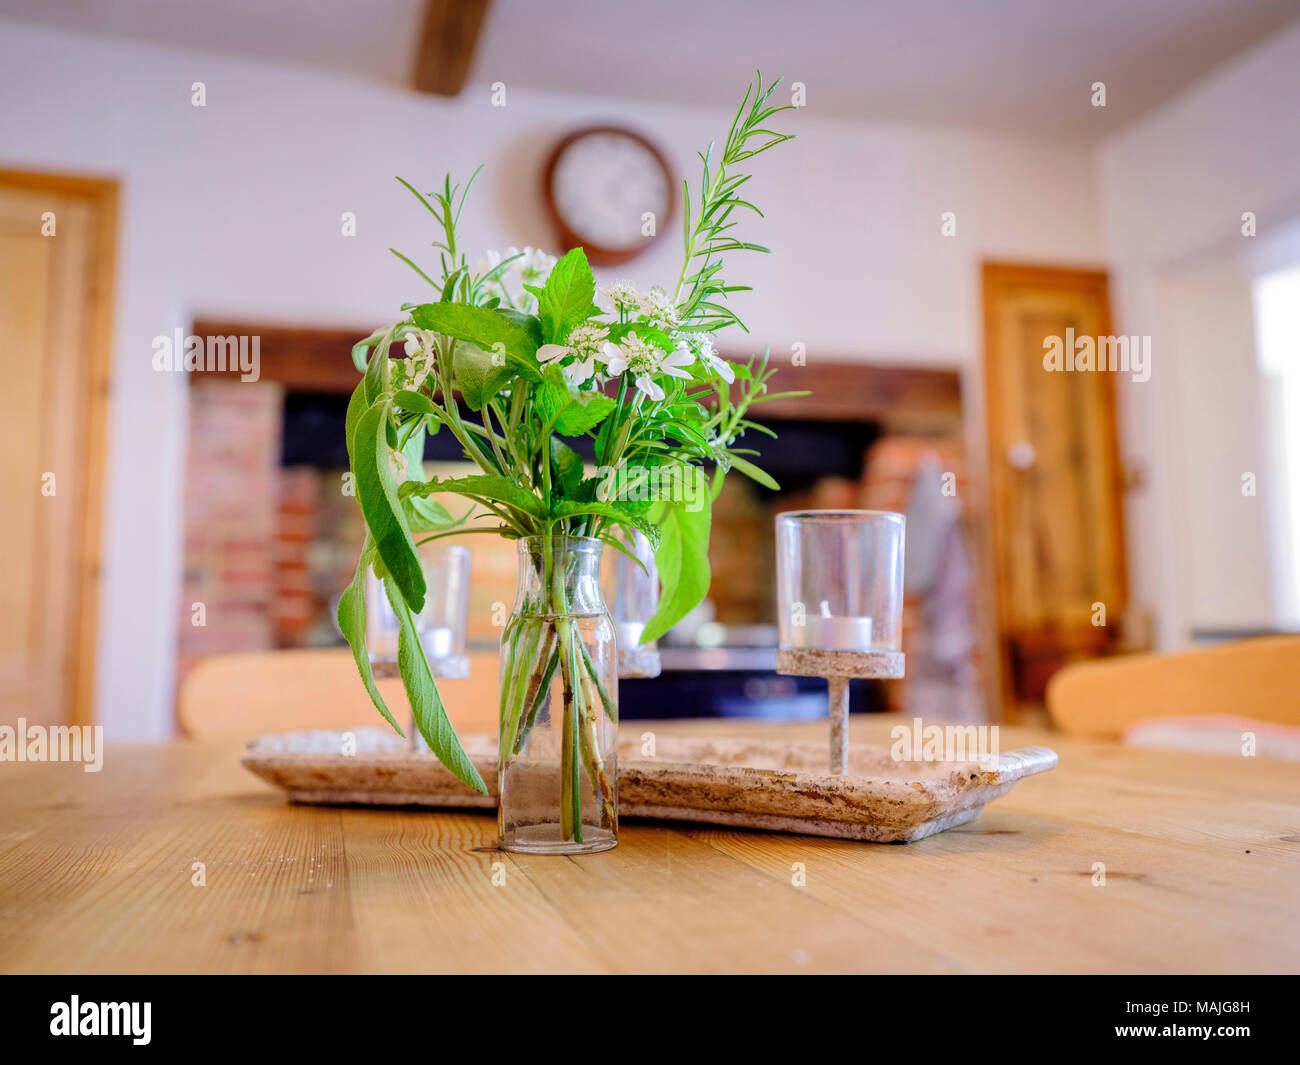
558, 770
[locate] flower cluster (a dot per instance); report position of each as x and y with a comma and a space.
587, 354
643, 360
420, 357
584, 343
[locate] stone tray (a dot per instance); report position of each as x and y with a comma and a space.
781, 787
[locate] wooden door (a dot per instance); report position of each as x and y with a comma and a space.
55, 280
1054, 476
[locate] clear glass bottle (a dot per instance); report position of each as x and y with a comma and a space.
558, 770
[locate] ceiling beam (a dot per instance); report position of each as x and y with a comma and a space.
447, 43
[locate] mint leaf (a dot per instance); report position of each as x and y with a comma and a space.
487, 485
566, 410
568, 508
478, 374
589, 410
568, 297
567, 466
485, 329
422, 515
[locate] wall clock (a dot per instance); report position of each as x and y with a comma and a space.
598, 185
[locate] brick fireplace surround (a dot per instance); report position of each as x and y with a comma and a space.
267, 547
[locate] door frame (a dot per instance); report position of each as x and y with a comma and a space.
101, 195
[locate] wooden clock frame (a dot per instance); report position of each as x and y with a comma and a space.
596, 254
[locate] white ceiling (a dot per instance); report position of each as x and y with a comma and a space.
1022, 66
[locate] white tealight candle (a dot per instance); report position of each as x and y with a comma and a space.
820, 633
438, 641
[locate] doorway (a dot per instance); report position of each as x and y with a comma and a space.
56, 285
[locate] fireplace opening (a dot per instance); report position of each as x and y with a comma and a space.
272, 534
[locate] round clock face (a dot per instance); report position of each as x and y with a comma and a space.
603, 185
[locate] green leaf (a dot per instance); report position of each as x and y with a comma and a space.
753, 472
484, 328
360, 351
378, 495
478, 374
568, 296
378, 379
487, 485
427, 515
423, 515
589, 411
682, 559
568, 467
415, 402
352, 623
357, 405
422, 693
623, 515
566, 410
413, 452
527, 322
552, 396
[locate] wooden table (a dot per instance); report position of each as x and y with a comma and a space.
1201, 855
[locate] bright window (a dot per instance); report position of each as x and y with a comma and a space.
1277, 333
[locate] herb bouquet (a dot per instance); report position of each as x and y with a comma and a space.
536, 364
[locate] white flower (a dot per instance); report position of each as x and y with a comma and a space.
701, 346
584, 344
643, 359
657, 308
530, 267
420, 356
535, 266
622, 296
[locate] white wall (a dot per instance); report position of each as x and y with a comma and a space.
233, 210
1173, 188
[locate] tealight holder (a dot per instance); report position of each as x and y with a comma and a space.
839, 577
636, 598
441, 624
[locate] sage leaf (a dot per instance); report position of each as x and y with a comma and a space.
415, 402
377, 492
352, 623
422, 693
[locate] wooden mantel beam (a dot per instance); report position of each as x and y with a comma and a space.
447, 43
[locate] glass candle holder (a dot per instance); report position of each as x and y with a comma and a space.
839, 579
636, 598
442, 622
440, 625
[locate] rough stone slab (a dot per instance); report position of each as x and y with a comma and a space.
780, 787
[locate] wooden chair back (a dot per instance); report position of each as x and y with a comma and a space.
242, 695
1258, 678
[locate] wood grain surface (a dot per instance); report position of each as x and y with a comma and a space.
1201, 856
